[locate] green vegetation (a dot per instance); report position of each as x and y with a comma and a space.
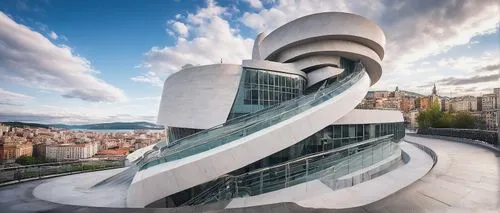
435, 118
23, 125
28, 160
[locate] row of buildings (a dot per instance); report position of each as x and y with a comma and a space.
59, 144
484, 107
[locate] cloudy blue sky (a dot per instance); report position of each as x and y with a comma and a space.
98, 61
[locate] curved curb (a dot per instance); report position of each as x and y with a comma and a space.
427, 150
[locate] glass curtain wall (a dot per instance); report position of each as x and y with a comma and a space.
348, 65
331, 137
260, 89
176, 133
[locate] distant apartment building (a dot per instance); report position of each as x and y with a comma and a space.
463, 103
490, 107
387, 103
62, 152
3, 129
479, 103
11, 149
445, 104
497, 93
426, 102
488, 102
407, 104
490, 118
380, 94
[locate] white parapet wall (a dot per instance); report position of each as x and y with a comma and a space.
316, 194
137, 154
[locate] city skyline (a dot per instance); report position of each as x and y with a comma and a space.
75, 62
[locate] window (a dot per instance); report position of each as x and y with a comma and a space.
260, 89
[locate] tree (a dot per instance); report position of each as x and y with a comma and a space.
464, 120
28, 160
435, 118
445, 121
432, 117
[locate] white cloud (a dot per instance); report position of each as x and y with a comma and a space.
51, 115
53, 35
284, 11
212, 39
13, 98
180, 28
149, 77
469, 63
430, 28
415, 30
150, 98
254, 3
30, 59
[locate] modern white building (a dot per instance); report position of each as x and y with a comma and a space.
284, 117
280, 132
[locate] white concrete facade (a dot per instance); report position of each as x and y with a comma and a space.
313, 47
199, 97
185, 173
316, 194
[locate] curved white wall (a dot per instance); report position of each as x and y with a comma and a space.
256, 46
322, 74
346, 49
273, 66
330, 25
168, 178
370, 116
199, 97
317, 60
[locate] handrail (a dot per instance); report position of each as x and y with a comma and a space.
246, 117
52, 164
19, 174
242, 130
324, 153
255, 114
292, 173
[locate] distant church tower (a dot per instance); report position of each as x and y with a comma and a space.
434, 91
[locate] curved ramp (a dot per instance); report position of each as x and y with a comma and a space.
188, 170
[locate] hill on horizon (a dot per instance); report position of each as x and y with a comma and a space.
97, 126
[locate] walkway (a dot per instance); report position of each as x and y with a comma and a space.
466, 178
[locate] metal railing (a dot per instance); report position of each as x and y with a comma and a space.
242, 126
39, 171
333, 164
489, 137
